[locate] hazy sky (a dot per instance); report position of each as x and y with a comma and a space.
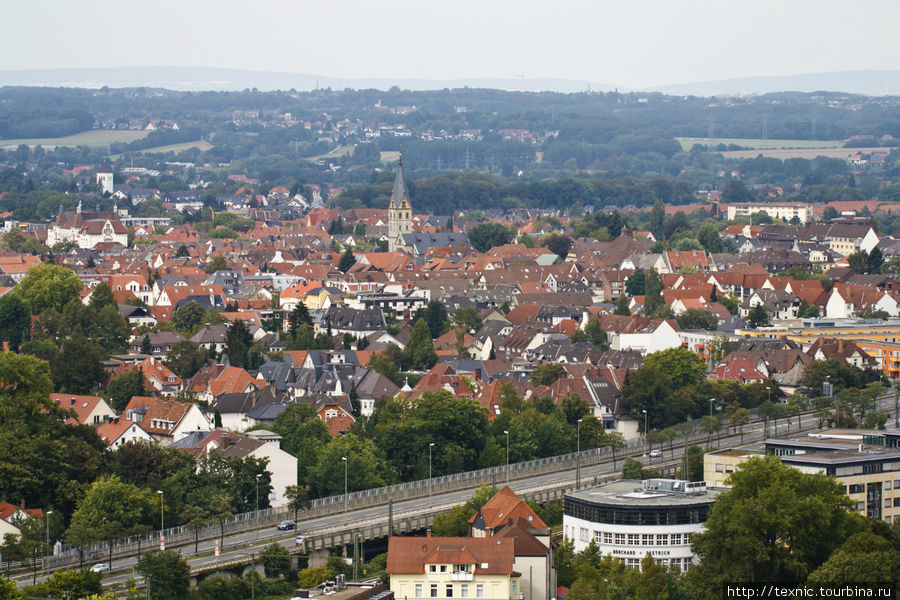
629, 43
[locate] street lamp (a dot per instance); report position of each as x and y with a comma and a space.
507, 455
162, 525
49, 548
644, 410
430, 479
346, 462
258, 475
711, 402
578, 457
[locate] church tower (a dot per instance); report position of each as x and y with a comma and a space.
399, 212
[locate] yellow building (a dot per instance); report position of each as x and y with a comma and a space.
865, 462
453, 567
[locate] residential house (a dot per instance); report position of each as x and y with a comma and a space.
89, 410
118, 432
166, 420
281, 466
453, 567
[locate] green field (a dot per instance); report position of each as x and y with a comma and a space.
688, 142
389, 156
339, 151
93, 138
203, 145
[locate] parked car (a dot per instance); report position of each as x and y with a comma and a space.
100, 567
655, 453
286, 524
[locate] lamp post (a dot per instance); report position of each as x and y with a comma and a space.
430, 479
644, 410
162, 539
507, 455
578, 457
346, 462
49, 548
258, 475
769, 391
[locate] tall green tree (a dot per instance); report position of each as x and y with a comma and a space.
237, 343
15, 320
122, 387
419, 353
636, 284
775, 524
189, 316
166, 574
435, 315
347, 260
102, 296
485, 236
47, 286
78, 368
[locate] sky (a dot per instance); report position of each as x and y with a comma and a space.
635, 44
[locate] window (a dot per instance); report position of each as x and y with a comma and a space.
514, 584
676, 539
432, 568
418, 590
479, 590
620, 539
687, 539
449, 590
607, 538
662, 539
583, 534
634, 539
718, 467
856, 488
598, 537
896, 502
464, 590
434, 590
443, 568
887, 484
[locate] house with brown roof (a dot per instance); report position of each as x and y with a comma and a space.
453, 567
497, 511
166, 420
117, 432
89, 410
11, 516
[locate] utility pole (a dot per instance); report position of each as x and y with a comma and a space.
390, 518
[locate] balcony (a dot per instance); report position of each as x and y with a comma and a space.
462, 576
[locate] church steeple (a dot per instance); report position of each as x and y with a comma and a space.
400, 190
399, 212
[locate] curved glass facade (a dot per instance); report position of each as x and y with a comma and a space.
621, 515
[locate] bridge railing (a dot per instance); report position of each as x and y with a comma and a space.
183, 536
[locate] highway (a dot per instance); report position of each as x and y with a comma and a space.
240, 547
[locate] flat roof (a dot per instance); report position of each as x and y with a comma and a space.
841, 457
735, 452
630, 493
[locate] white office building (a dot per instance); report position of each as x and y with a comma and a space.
629, 518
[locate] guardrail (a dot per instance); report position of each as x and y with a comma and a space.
182, 536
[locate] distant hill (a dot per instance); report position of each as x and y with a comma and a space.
213, 79
870, 83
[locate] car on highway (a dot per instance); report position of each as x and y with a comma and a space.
100, 567
298, 541
286, 524
655, 453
